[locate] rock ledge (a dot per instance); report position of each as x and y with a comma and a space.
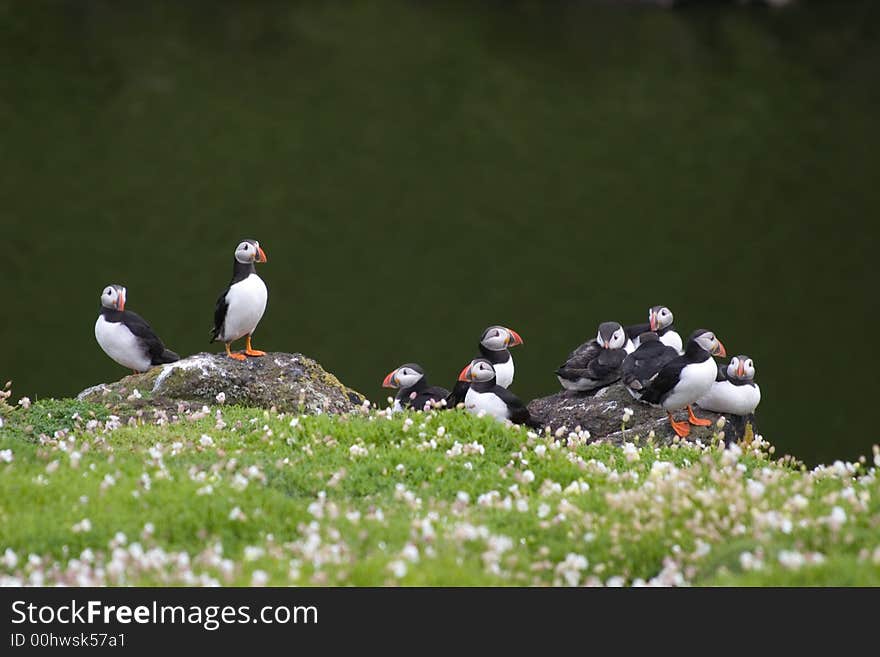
289, 382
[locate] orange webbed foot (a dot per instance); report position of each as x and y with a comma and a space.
697, 421
250, 351
681, 429
234, 356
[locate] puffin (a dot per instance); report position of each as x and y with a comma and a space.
126, 337
412, 386
484, 394
660, 322
595, 364
686, 378
734, 391
494, 346
241, 305
641, 366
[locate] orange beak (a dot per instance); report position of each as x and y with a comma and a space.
514, 338
741, 370
389, 381
261, 255
654, 322
719, 351
465, 374
120, 303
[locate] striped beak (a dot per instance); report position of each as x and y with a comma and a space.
719, 349
465, 374
513, 338
261, 255
390, 381
655, 323
741, 370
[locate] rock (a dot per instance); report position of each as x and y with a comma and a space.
601, 413
289, 382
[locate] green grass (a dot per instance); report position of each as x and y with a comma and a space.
367, 500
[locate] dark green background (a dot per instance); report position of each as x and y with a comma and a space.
416, 171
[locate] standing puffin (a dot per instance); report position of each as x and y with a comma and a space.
242, 304
734, 391
660, 322
126, 337
494, 346
595, 364
484, 394
413, 389
641, 366
685, 379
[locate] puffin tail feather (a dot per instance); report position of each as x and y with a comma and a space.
168, 356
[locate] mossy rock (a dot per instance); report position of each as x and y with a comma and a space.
288, 382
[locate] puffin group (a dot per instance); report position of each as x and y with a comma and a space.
127, 338
650, 358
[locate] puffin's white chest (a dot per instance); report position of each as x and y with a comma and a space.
246, 304
725, 397
489, 403
672, 339
121, 345
694, 381
504, 373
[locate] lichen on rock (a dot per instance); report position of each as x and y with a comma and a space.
288, 382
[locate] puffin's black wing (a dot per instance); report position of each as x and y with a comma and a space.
219, 314
722, 373
147, 336
457, 395
667, 378
635, 330
607, 363
578, 360
516, 410
640, 366
431, 394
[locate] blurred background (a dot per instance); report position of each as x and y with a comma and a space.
418, 170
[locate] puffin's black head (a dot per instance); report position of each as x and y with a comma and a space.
706, 340
498, 338
404, 376
659, 317
479, 370
113, 297
648, 336
741, 368
249, 251
611, 335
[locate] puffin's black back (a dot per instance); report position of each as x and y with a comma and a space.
144, 333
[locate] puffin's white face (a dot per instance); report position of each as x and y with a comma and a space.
249, 251
478, 370
741, 367
710, 343
660, 317
403, 377
611, 335
497, 338
113, 296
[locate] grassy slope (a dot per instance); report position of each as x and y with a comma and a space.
371, 500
